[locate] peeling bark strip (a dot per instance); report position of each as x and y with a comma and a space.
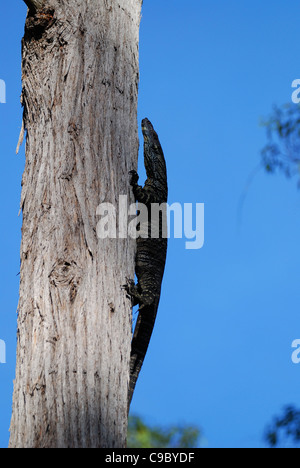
80, 84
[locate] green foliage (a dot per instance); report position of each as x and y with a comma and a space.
285, 429
283, 149
141, 435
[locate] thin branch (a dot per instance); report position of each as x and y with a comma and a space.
245, 192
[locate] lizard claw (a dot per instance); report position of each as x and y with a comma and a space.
131, 291
128, 286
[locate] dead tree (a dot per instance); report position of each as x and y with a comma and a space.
80, 85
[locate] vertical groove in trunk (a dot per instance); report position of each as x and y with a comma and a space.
80, 84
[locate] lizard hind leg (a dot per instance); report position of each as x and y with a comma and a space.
132, 290
147, 299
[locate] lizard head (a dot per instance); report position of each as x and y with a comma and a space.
154, 157
148, 129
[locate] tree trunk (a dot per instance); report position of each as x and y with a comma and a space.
80, 85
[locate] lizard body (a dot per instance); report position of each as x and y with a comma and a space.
151, 251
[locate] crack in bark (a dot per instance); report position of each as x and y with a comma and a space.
37, 23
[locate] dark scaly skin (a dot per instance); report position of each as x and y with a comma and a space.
151, 252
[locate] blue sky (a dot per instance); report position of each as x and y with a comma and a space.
220, 356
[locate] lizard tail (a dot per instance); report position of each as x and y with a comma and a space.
140, 342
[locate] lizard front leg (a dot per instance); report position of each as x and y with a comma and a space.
141, 194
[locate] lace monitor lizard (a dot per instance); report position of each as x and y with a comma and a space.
151, 251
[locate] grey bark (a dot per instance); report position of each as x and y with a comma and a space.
80, 84
35, 5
